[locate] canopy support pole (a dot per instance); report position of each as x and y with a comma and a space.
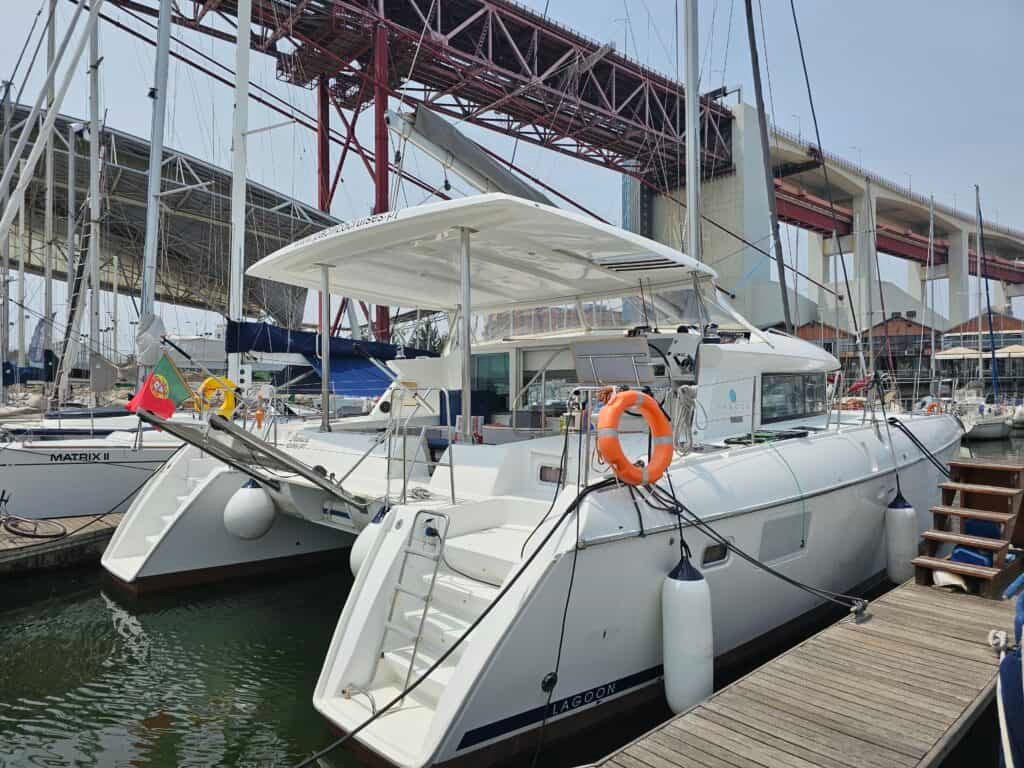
325, 348
465, 315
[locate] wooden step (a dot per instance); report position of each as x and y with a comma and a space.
942, 564
978, 542
973, 514
999, 466
984, 490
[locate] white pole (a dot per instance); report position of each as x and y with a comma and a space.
325, 349
33, 116
48, 249
238, 167
466, 314
156, 154
690, 40
931, 292
5, 247
40, 144
20, 307
94, 200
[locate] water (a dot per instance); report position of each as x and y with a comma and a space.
222, 675
210, 676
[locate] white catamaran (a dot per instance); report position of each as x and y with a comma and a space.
485, 505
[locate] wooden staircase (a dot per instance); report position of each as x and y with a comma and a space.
984, 497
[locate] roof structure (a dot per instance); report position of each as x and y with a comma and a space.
193, 253
522, 253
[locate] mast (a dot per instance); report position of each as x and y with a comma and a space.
870, 283
48, 244
20, 306
762, 124
156, 153
931, 291
693, 174
241, 119
94, 202
988, 297
5, 246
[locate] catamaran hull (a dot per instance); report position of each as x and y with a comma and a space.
173, 535
66, 478
832, 537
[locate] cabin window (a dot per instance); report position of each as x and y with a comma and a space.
549, 474
786, 396
491, 374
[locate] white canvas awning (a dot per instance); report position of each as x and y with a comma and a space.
1013, 350
958, 353
522, 253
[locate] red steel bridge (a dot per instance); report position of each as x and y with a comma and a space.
496, 64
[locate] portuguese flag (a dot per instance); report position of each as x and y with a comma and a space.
162, 390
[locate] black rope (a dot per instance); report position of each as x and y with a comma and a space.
573, 506
921, 446
670, 504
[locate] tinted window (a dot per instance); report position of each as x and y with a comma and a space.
786, 396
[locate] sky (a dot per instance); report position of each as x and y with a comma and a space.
926, 93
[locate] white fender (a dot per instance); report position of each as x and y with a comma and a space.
687, 639
901, 539
250, 512
364, 542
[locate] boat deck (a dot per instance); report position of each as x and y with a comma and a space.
900, 689
86, 539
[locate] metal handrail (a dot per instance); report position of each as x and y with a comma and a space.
394, 425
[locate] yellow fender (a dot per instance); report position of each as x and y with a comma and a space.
215, 384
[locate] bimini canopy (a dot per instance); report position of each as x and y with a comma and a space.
958, 353
521, 253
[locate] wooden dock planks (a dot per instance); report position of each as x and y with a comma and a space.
898, 690
88, 537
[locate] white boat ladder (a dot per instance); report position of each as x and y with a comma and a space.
426, 540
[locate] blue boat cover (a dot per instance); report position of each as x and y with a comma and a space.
352, 372
1011, 710
354, 376
263, 337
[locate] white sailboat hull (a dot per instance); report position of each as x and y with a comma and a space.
812, 508
66, 478
174, 534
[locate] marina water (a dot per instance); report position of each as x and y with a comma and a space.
212, 676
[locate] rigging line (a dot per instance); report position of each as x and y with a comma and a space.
881, 294
767, 68
8, 129
728, 38
28, 37
828, 189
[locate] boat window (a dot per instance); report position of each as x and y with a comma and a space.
786, 396
491, 374
714, 553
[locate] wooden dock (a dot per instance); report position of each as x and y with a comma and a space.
900, 689
85, 542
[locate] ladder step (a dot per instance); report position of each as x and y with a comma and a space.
398, 629
424, 555
979, 542
985, 490
941, 564
973, 514
998, 466
412, 593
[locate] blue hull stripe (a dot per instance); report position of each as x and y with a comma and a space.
558, 707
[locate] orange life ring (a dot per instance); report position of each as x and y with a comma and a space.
610, 448
933, 407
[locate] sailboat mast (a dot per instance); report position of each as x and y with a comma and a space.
988, 297
5, 246
48, 245
94, 203
20, 306
238, 166
762, 124
156, 154
693, 174
931, 291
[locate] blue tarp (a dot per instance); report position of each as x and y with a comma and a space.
262, 337
353, 376
352, 373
